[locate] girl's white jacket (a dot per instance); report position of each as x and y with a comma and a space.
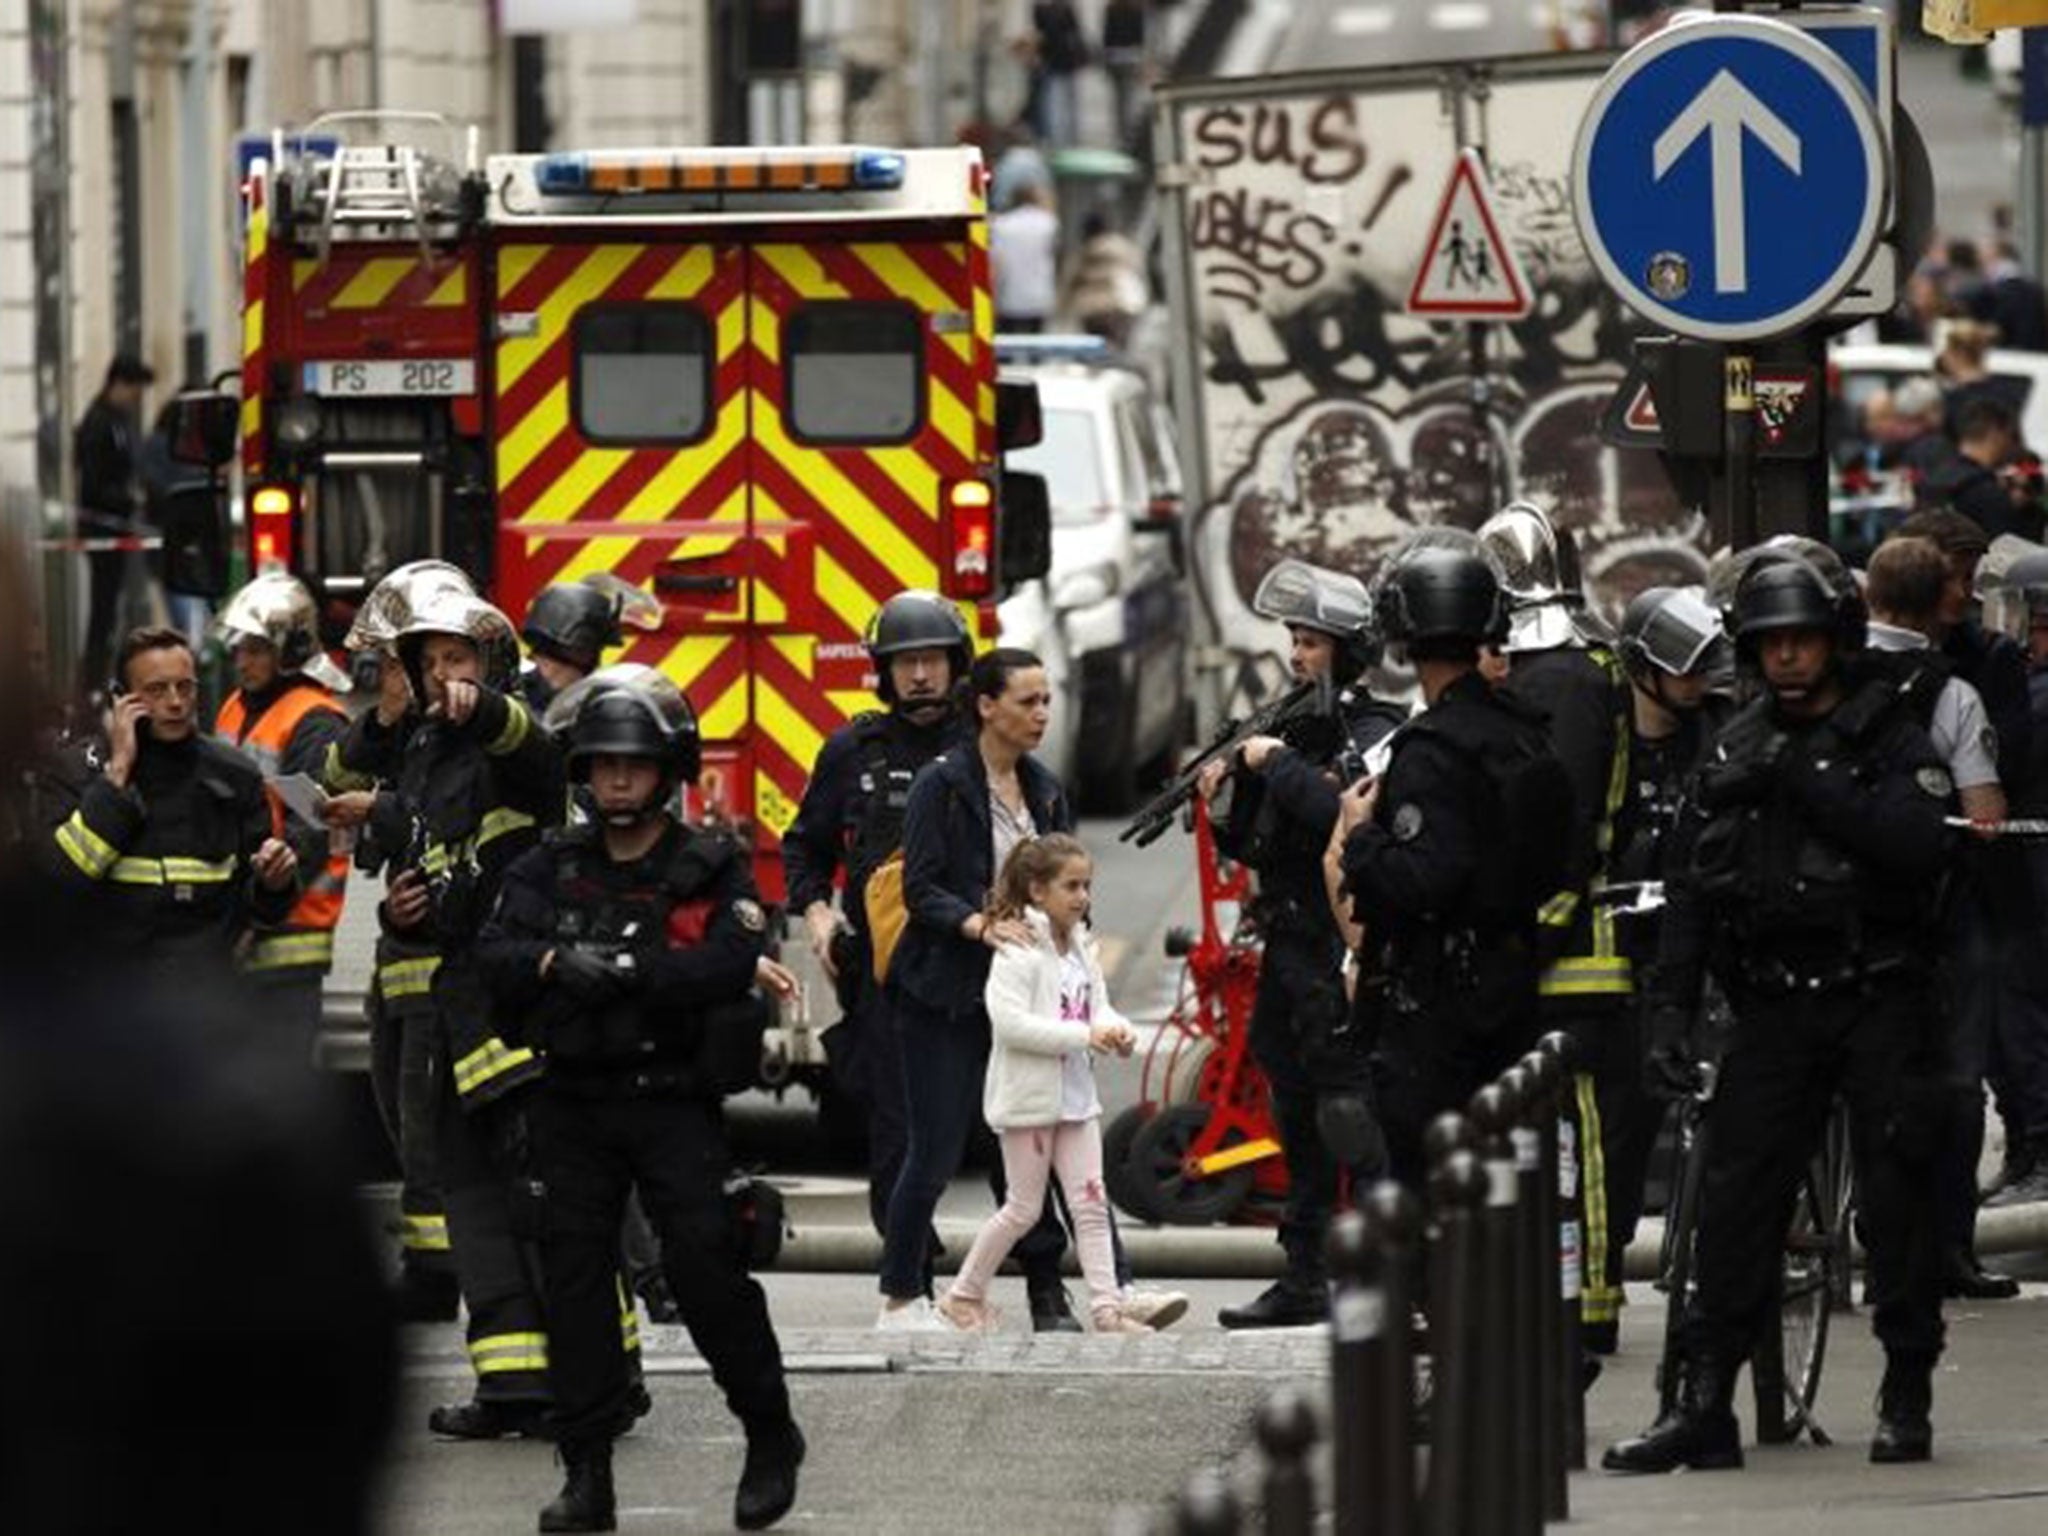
1028, 1034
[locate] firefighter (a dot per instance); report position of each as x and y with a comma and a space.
567, 629
405, 1056
1446, 856
616, 942
1276, 817
1561, 663
287, 719
1811, 860
162, 834
476, 781
852, 816
1672, 643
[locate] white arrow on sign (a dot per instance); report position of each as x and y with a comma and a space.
1723, 110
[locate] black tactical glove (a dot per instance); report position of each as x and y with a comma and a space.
1671, 1068
1745, 781
586, 977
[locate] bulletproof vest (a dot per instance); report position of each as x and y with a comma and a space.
1918, 675
625, 914
1659, 774
889, 757
450, 799
1772, 880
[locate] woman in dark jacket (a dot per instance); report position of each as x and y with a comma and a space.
967, 809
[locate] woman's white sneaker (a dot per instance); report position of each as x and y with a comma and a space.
918, 1316
1155, 1309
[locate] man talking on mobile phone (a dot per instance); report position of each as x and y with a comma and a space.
162, 836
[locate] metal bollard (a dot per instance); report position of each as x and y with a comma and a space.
1529, 1298
1395, 1223
1493, 1112
1457, 1192
1547, 1076
1571, 1262
1357, 1316
1287, 1433
1207, 1506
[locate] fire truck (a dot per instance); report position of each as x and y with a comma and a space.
758, 385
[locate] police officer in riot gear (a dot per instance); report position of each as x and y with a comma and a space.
567, 629
1276, 817
852, 818
476, 780
1672, 643
1561, 664
1809, 866
286, 717
621, 945
1446, 855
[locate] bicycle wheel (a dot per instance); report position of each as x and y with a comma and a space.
1675, 1257
1815, 1254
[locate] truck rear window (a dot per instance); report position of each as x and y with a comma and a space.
855, 372
643, 374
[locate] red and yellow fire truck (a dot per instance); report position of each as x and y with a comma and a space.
758, 384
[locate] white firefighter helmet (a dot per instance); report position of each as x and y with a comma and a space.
385, 613
277, 609
463, 614
1539, 571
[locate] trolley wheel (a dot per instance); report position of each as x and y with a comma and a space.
1159, 1159
1183, 1078
1130, 1193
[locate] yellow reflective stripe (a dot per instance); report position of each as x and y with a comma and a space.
424, 1234
338, 778
408, 978
1599, 1302
173, 871
280, 951
517, 723
1559, 911
93, 854
501, 821
509, 1352
1587, 976
439, 858
491, 1059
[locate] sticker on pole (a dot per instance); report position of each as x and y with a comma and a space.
1468, 271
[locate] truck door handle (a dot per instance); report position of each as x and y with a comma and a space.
685, 581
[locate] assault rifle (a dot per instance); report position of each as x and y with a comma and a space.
1310, 700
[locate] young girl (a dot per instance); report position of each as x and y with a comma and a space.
1048, 1008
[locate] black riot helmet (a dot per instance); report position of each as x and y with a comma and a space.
1306, 596
1434, 593
573, 623
917, 621
1673, 631
1786, 586
629, 710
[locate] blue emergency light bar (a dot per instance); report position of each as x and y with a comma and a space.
586, 173
1029, 347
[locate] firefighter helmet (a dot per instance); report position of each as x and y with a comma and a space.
1431, 591
277, 609
1539, 571
1298, 594
389, 607
469, 617
1673, 630
916, 620
572, 622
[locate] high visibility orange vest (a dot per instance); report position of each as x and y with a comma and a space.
307, 938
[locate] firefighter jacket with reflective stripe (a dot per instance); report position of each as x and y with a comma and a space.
678, 930
474, 796
290, 730
1584, 693
161, 869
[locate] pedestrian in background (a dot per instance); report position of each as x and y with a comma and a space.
1124, 58
1059, 51
1024, 259
1049, 1010
109, 499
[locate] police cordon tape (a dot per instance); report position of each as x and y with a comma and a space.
129, 543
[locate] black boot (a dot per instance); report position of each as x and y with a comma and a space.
659, 1300
1963, 1278
2024, 1180
1699, 1432
586, 1502
489, 1419
1904, 1431
1286, 1303
768, 1483
1051, 1310
636, 1407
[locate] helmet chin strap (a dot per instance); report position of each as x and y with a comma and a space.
652, 808
923, 711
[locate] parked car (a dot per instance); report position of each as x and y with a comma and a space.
1111, 616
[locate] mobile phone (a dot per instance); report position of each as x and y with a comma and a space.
116, 692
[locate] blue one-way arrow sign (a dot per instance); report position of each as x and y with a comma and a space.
1730, 178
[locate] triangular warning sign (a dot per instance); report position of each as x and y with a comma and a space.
1641, 415
1467, 270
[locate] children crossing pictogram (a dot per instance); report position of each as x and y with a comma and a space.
1468, 271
